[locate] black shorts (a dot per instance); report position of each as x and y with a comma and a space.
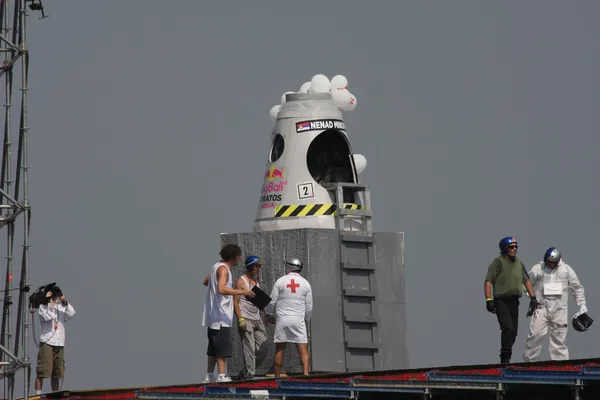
219, 342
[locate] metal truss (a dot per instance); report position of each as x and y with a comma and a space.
15, 211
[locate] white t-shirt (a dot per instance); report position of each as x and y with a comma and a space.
53, 318
218, 308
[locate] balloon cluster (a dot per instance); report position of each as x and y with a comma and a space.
337, 86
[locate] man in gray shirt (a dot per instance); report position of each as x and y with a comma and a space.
250, 324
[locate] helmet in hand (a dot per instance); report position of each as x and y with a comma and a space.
582, 322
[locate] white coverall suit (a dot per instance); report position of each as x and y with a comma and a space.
292, 303
551, 287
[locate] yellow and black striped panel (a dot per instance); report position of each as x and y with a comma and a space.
308, 210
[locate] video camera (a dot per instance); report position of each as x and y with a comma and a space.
39, 297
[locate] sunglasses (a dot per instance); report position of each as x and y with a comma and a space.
512, 247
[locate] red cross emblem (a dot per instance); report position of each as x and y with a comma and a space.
293, 285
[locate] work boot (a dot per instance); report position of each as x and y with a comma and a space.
505, 357
245, 375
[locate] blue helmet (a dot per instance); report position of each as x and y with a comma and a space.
252, 261
505, 242
552, 254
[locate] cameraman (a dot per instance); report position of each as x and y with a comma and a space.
54, 312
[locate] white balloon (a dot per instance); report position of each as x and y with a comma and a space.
304, 88
339, 82
342, 99
274, 111
351, 105
360, 162
319, 84
283, 97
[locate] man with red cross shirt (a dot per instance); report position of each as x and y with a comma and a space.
292, 303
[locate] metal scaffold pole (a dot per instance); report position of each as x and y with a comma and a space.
14, 193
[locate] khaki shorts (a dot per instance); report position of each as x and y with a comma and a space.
50, 361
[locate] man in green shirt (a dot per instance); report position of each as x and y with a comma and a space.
507, 275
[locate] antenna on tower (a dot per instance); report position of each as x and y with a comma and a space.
15, 211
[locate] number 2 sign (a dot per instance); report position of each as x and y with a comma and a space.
305, 190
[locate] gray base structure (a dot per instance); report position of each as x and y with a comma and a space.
359, 315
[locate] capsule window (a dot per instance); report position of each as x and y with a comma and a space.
277, 148
328, 160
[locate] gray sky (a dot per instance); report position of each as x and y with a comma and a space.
478, 121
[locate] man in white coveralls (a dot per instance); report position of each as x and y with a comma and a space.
551, 280
292, 303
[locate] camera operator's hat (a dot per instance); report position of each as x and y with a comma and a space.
55, 290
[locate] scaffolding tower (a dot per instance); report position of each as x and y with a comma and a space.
15, 211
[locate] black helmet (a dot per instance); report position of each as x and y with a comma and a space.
582, 322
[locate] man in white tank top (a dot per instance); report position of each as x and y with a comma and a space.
292, 303
250, 324
218, 311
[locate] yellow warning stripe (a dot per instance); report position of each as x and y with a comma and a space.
308, 210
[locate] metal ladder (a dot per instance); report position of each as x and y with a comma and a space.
362, 342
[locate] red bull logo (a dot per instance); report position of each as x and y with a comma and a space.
274, 185
274, 173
